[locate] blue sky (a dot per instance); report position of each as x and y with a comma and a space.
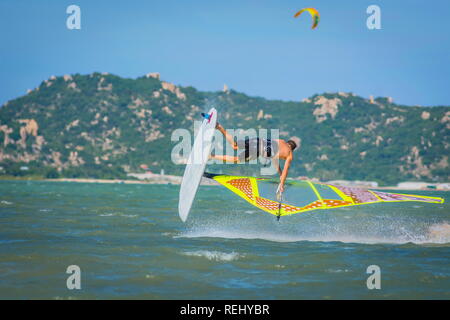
255, 47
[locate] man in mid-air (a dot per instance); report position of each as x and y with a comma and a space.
273, 149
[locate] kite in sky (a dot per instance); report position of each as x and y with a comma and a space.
314, 14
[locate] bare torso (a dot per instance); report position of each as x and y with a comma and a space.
284, 150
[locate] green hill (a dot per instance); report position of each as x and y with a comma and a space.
104, 126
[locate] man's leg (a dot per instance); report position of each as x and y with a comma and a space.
228, 136
225, 158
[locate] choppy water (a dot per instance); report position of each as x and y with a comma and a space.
130, 243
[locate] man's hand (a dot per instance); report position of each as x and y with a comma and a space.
280, 188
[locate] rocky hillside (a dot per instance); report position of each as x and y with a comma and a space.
104, 126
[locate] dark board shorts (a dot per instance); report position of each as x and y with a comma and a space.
255, 147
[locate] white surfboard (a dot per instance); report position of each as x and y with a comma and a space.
196, 164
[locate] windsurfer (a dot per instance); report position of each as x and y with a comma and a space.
273, 149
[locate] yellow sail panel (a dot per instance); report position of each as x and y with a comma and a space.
316, 192
303, 196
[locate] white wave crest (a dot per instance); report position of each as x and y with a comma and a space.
439, 233
214, 255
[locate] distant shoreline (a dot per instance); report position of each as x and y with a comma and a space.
154, 179
176, 180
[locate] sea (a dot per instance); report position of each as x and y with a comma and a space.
126, 241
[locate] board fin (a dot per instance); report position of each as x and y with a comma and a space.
206, 116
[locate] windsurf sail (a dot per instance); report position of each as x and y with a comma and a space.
303, 195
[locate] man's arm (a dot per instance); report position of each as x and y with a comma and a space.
284, 174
